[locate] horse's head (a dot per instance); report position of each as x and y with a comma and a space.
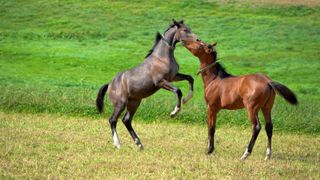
179, 32
199, 48
202, 51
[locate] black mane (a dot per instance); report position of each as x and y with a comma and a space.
158, 37
222, 73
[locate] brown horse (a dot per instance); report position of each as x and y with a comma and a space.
254, 92
159, 68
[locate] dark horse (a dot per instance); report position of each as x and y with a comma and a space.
159, 68
254, 92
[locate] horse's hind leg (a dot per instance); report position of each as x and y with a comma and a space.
269, 127
255, 125
118, 109
127, 118
267, 116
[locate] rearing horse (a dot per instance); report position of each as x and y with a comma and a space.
159, 68
254, 92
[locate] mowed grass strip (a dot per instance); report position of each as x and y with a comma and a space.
50, 146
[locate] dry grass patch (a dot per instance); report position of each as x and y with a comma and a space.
50, 146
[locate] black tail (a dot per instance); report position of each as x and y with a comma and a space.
285, 92
99, 101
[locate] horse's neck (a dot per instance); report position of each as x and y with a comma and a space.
170, 37
164, 51
209, 74
166, 45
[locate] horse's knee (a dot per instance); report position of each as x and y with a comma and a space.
126, 119
190, 79
178, 92
258, 127
113, 122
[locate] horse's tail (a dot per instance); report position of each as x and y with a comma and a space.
285, 92
100, 97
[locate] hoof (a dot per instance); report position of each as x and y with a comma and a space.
174, 112
117, 146
210, 151
138, 143
186, 99
267, 158
268, 154
141, 148
245, 155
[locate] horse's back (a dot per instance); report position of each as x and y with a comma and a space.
255, 88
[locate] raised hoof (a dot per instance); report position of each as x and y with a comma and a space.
174, 112
186, 99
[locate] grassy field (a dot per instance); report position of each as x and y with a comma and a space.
54, 56
47, 146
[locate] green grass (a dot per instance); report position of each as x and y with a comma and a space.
47, 146
55, 55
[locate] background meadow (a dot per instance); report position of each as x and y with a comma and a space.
55, 55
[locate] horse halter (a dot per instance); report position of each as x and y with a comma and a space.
207, 67
167, 42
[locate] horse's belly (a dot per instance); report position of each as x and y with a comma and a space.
143, 92
231, 102
233, 106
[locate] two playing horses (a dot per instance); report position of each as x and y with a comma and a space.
222, 90
254, 92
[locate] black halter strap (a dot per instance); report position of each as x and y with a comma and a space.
207, 67
167, 42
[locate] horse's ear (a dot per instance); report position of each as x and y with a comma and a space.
176, 23
181, 22
214, 44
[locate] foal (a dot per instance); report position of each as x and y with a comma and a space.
159, 68
254, 92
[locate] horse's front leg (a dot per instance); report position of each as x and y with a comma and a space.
212, 117
181, 77
164, 84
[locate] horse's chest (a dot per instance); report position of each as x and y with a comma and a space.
174, 69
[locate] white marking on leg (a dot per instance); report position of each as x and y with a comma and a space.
116, 140
268, 154
175, 111
245, 155
189, 96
